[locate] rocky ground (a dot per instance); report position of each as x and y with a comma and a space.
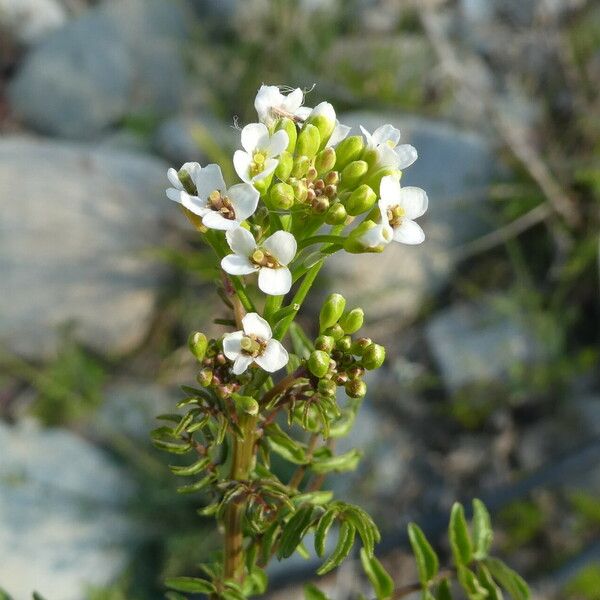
483, 393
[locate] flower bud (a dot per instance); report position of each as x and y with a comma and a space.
301, 166
198, 343
325, 160
344, 343
353, 173
331, 311
205, 377
335, 331
308, 141
355, 244
246, 404
348, 150
361, 200
326, 387
373, 357
282, 196
356, 388
325, 343
356, 372
336, 215
322, 117
285, 166
300, 191
290, 128
352, 321
370, 156
320, 205
318, 363
360, 345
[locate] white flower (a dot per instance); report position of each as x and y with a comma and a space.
191, 168
399, 207
261, 149
325, 109
380, 235
219, 207
385, 140
270, 259
254, 344
269, 101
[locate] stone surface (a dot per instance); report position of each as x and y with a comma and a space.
454, 167
101, 67
26, 21
77, 223
63, 524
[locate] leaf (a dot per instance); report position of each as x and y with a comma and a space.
257, 580
4, 595
312, 592
471, 585
460, 540
483, 535
193, 469
267, 542
174, 596
344, 545
443, 591
485, 578
365, 526
294, 530
190, 584
300, 342
511, 581
319, 497
285, 446
383, 584
196, 487
427, 560
172, 447
322, 530
341, 463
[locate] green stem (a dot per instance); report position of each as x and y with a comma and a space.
240, 290
320, 239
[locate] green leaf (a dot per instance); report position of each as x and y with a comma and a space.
443, 591
365, 526
485, 578
344, 545
190, 584
257, 581
267, 543
312, 592
427, 560
285, 446
318, 498
294, 530
341, 463
4, 595
174, 596
192, 469
511, 581
196, 487
483, 535
471, 585
460, 540
382, 583
172, 447
323, 527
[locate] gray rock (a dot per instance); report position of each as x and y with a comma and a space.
454, 167
477, 342
101, 66
76, 226
63, 524
26, 21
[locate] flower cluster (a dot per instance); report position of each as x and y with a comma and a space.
304, 181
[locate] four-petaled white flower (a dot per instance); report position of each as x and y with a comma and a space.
270, 103
399, 207
255, 344
258, 159
270, 259
219, 207
191, 169
385, 141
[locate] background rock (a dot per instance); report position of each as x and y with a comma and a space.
26, 21
76, 225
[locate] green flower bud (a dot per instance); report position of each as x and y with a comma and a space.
285, 166
301, 166
318, 363
361, 200
290, 128
246, 404
323, 118
198, 343
325, 161
353, 173
281, 196
349, 150
354, 244
327, 387
356, 388
320, 205
373, 357
374, 179
335, 331
325, 343
360, 345
331, 311
370, 156
205, 377
308, 141
300, 191
344, 343
356, 372
336, 215
352, 321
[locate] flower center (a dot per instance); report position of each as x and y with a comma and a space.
252, 345
221, 204
395, 214
257, 166
261, 258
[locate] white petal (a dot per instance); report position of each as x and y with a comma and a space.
174, 179
274, 357
192, 203
269, 166
173, 194
368, 138
232, 346
267, 97
241, 163
277, 143
376, 236
214, 220
293, 101
282, 245
339, 133
387, 157
303, 112
386, 133
274, 282
406, 154
254, 324
414, 201
409, 232
234, 264
241, 241
389, 191
254, 135
192, 168
208, 180
244, 199
324, 109
242, 362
